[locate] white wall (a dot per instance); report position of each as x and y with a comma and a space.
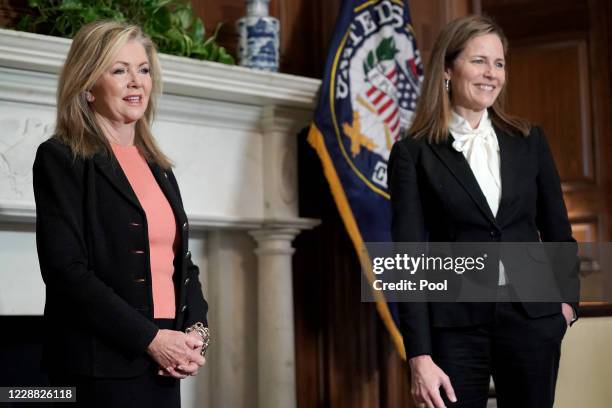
21, 286
585, 372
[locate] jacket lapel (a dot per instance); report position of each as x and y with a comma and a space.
171, 195
460, 168
111, 169
507, 155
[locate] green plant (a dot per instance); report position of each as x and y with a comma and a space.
170, 23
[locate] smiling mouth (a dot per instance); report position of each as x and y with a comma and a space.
133, 100
485, 87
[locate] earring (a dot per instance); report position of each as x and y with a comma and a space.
89, 96
447, 85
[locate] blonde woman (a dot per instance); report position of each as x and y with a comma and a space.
469, 172
125, 316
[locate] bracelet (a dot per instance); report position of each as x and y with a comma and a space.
204, 333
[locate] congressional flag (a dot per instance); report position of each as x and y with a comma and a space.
368, 96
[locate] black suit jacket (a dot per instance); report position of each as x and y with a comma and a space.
92, 242
435, 197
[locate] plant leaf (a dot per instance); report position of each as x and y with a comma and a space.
162, 20
68, 5
200, 51
184, 16
176, 40
214, 52
197, 30
225, 58
89, 14
158, 4
188, 44
24, 23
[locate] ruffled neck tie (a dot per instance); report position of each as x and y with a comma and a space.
481, 150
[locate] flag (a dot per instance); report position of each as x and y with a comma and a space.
368, 96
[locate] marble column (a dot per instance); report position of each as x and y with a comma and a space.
276, 385
232, 315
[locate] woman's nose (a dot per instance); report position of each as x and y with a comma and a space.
134, 79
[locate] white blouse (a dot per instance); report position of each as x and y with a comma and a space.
481, 150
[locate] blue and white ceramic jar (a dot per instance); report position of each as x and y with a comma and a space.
259, 37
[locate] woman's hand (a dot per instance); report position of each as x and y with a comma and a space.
196, 361
198, 349
568, 312
427, 378
173, 349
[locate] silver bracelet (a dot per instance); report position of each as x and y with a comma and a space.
204, 333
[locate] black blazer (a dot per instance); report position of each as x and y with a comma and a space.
92, 241
435, 197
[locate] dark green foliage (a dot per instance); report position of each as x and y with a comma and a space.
170, 23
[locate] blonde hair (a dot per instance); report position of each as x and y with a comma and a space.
433, 111
92, 52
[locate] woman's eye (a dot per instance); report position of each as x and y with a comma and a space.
145, 70
499, 64
119, 71
477, 61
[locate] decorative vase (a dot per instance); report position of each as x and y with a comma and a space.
259, 37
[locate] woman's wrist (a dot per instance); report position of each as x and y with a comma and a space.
416, 360
203, 332
153, 340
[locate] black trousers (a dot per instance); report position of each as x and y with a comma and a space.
146, 390
522, 354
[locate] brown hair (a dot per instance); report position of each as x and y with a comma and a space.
92, 52
433, 111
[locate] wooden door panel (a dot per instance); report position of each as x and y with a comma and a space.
548, 84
